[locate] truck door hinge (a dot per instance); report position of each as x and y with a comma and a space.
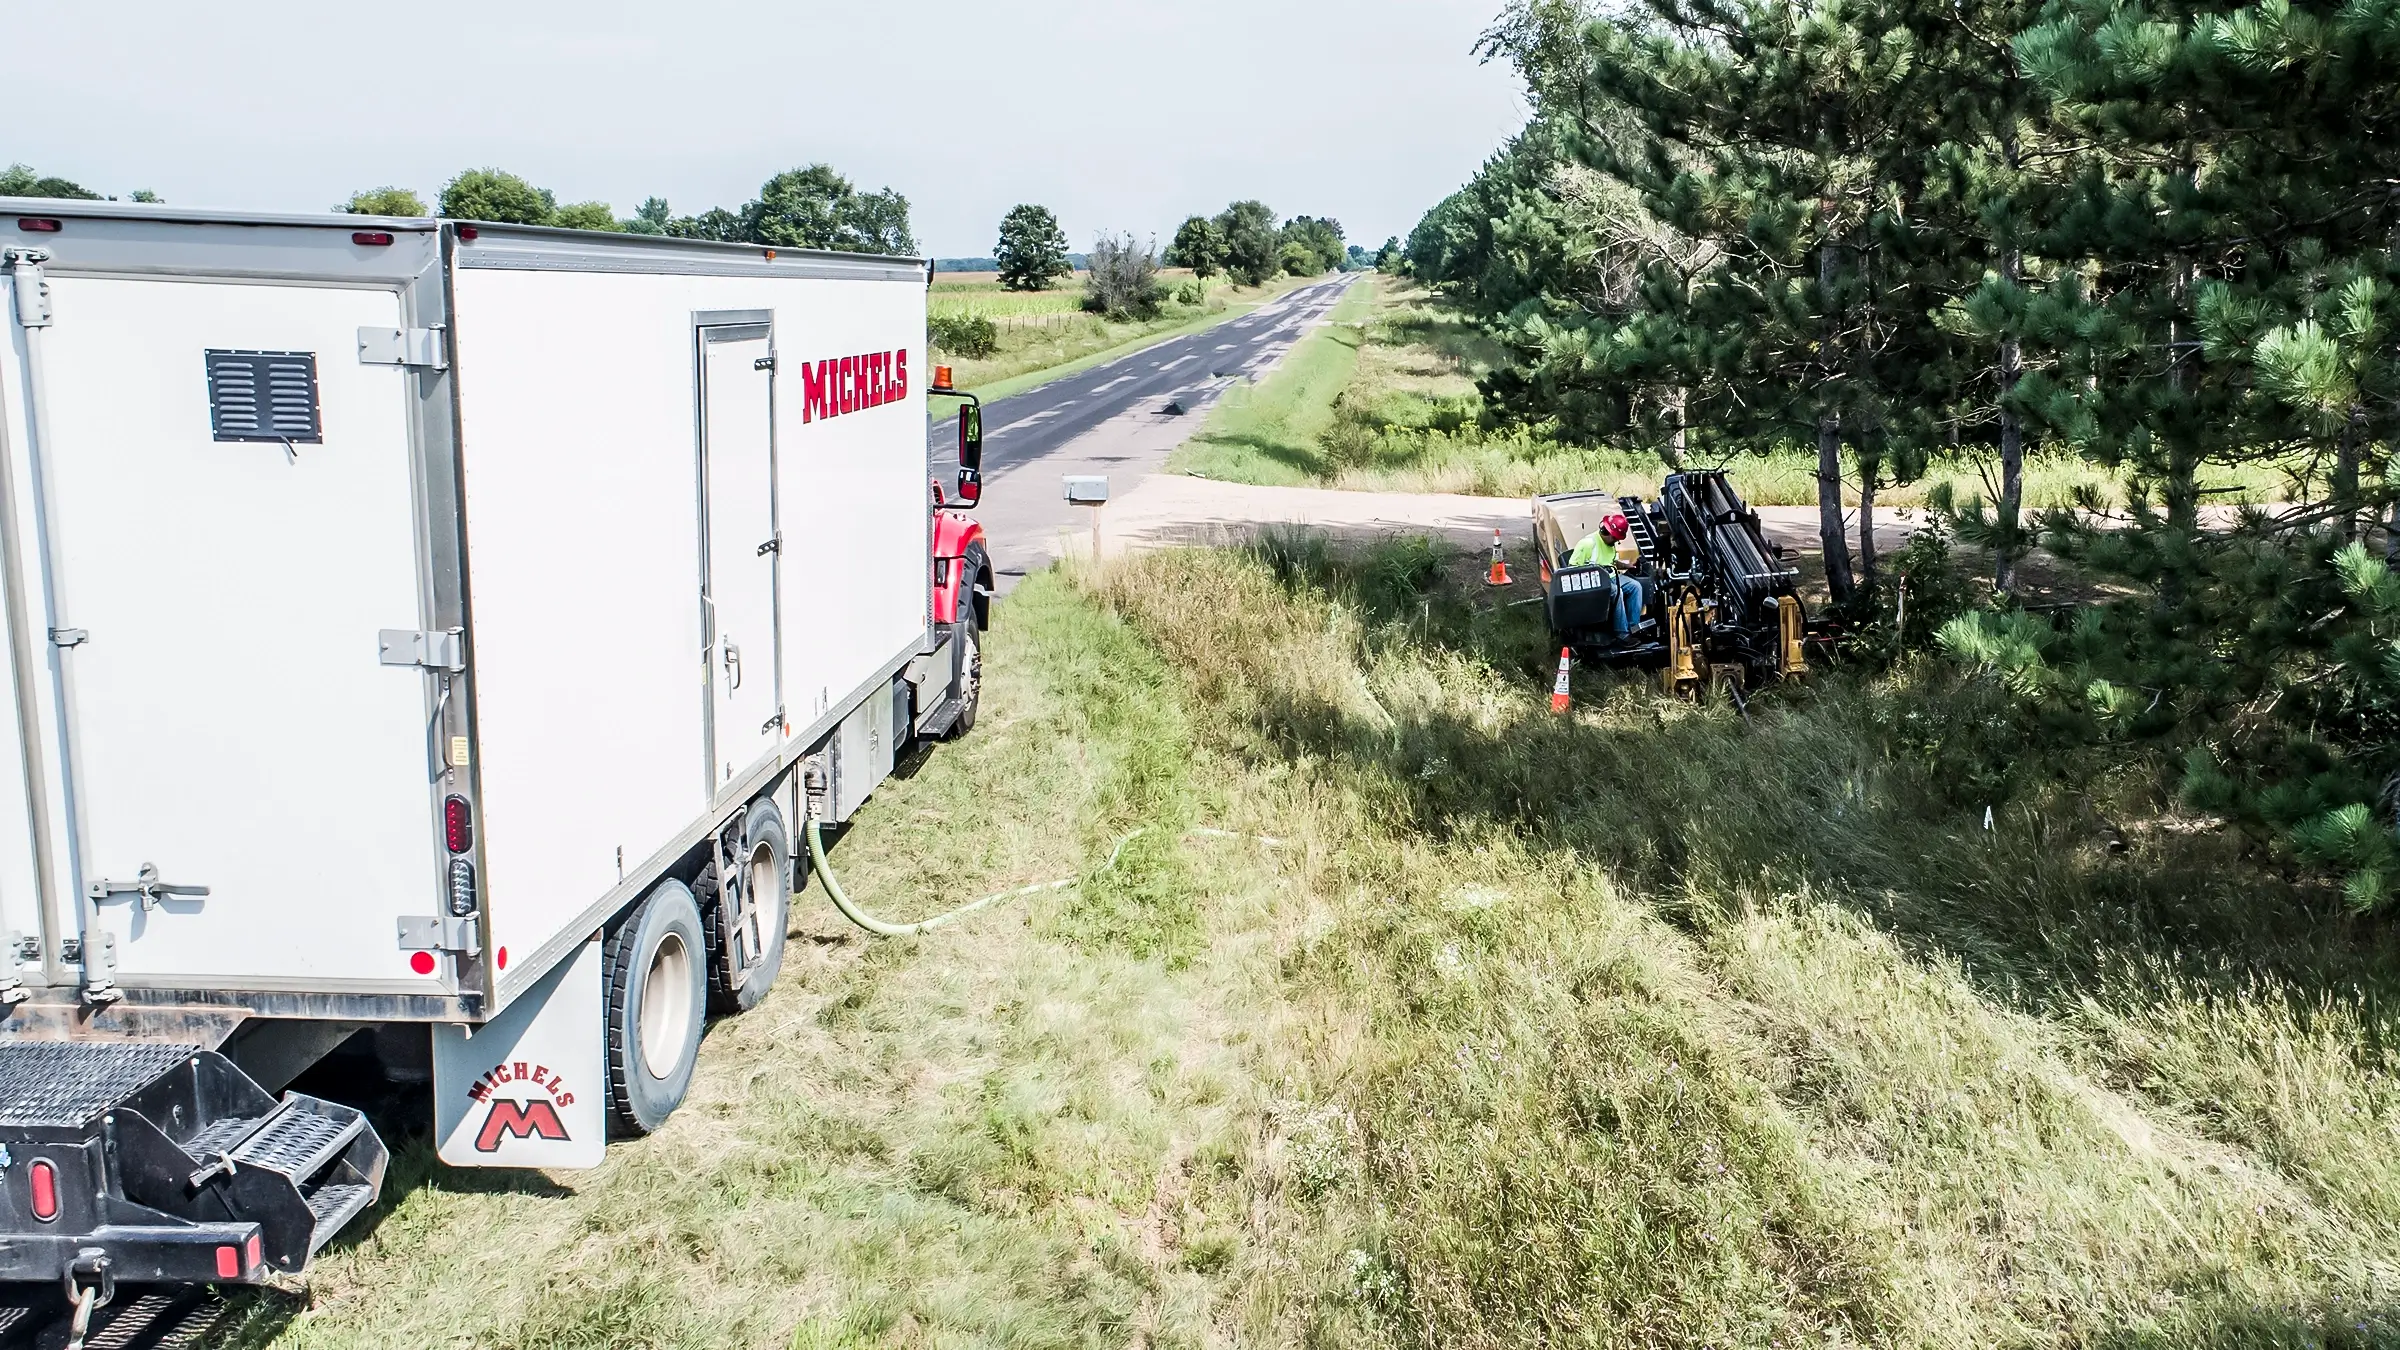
440, 933
442, 649
98, 985
774, 545
33, 289
69, 637
403, 347
763, 363
12, 984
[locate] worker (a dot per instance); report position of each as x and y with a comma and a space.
1614, 542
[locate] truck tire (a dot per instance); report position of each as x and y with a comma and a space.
767, 896
657, 972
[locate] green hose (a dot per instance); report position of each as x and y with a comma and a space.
882, 928
885, 928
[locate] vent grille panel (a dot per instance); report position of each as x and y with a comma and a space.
264, 396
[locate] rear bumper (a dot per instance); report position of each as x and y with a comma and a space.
165, 1163
205, 1253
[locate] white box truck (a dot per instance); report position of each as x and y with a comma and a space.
435, 633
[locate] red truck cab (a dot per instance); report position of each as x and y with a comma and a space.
962, 562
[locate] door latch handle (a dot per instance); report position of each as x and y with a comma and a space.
733, 665
145, 885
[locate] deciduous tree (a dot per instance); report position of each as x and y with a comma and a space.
1032, 249
385, 201
1198, 245
1253, 253
498, 196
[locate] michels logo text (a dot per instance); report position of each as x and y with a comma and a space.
530, 1118
849, 384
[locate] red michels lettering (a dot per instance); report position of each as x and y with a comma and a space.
848, 384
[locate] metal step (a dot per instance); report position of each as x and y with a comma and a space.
938, 722
335, 1205
219, 1135
62, 1084
298, 1141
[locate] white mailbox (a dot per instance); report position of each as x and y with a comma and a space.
1086, 489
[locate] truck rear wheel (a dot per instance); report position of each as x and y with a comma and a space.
766, 882
657, 1004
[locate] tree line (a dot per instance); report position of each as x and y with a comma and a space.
2157, 234
809, 207
1121, 271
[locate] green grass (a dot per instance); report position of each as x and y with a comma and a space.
1404, 416
1652, 1025
1267, 432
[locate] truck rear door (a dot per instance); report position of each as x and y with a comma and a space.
229, 493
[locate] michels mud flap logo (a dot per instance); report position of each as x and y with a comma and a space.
511, 1117
528, 1088
848, 384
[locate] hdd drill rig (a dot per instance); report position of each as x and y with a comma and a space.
1719, 601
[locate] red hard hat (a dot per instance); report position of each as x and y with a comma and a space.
1614, 527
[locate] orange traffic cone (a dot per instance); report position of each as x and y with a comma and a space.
1558, 691
1499, 572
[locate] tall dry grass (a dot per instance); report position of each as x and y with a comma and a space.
1660, 1025
1647, 1026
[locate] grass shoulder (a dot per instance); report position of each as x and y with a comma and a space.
1400, 411
1484, 1027
1047, 335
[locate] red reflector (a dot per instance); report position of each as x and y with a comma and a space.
458, 824
421, 962
37, 225
250, 1252
44, 1180
229, 1264
467, 231
375, 238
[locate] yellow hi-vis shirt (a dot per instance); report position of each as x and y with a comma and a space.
1591, 549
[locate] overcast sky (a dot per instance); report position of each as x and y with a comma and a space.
1117, 114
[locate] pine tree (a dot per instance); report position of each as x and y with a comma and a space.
1795, 141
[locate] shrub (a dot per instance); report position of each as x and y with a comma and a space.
968, 335
1123, 281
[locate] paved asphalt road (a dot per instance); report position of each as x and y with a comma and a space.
1029, 439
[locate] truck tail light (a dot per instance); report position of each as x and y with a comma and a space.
458, 824
229, 1263
42, 1179
371, 238
462, 887
38, 225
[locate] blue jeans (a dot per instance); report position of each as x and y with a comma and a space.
1629, 604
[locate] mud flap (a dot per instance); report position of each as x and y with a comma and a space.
530, 1087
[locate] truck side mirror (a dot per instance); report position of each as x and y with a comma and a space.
970, 454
